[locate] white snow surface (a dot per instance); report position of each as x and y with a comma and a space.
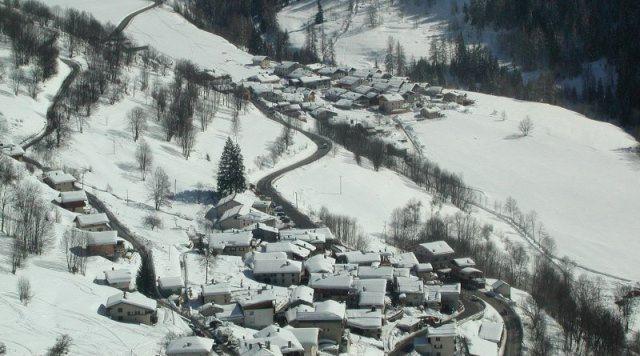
112, 11
413, 23
573, 171
173, 35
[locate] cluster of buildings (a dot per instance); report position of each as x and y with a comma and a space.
293, 89
240, 210
331, 289
101, 240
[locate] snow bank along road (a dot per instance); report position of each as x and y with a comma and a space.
265, 185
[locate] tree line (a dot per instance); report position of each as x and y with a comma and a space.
250, 24
446, 186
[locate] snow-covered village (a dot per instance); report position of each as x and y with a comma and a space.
319, 177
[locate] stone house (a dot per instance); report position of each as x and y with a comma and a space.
132, 307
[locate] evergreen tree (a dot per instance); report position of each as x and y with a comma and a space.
401, 59
231, 170
145, 280
320, 14
389, 59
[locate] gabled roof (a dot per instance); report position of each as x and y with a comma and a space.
301, 294
118, 276
307, 336
269, 267
73, 196
170, 282
238, 238
135, 299
371, 285
369, 299
391, 97
349, 80
450, 329
59, 177
491, 331
215, 289
340, 282
329, 310
424, 267
360, 257
407, 259
464, 262
92, 219
437, 248
443, 288
368, 272
101, 238
240, 198
366, 319
319, 264
188, 345
409, 285
287, 247
281, 337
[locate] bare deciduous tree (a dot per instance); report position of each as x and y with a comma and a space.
144, 157
74, 244
525, 126
137, 122
24, 290
152, 221
16, 77
159, 188
61, 347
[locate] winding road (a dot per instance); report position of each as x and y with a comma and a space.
265, 185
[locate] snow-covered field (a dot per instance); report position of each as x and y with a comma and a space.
573, 171
21, 116
112, 11
174, 36
413, 23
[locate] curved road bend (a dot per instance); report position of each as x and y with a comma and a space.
512, 323
265, 185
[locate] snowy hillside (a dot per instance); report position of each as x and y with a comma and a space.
357, 43
112, 11
573, 171
181, 39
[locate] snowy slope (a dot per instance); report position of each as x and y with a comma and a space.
21, 116
413, 23
174, 36
112, 11
573, 171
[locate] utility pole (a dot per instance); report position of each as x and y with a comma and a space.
175, 186
340, 185
296, 193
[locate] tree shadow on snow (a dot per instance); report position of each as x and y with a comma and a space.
197, 196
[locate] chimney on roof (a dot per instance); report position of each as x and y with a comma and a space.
124, 294
373, 308
268, 344
290, 344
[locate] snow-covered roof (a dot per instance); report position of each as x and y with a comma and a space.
258, 58
215, 289
269, 256
170, 282
99, 238
368, 299
464, 262
135, 299
73, 196
391, 97
118, 276
331, 307
258, 299
301, 293
318, 281
370, 285
59, 177
366, 319
368, 272
322, 233
360, 257
92, 219
437, 248
491, 331
268, 267
344, 103
313, 79
469, 270
497, 284
246, 213
450, 329
346, 268
220, 240
424, 267
409, 285
262, 226
319, 264
407, 259
264, 78
443, 288
281, 337
349, 80
287, 247
240, 198
308, 337
189, 345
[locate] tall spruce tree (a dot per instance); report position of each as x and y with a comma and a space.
231, 170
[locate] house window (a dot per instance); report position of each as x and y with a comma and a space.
119, 310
